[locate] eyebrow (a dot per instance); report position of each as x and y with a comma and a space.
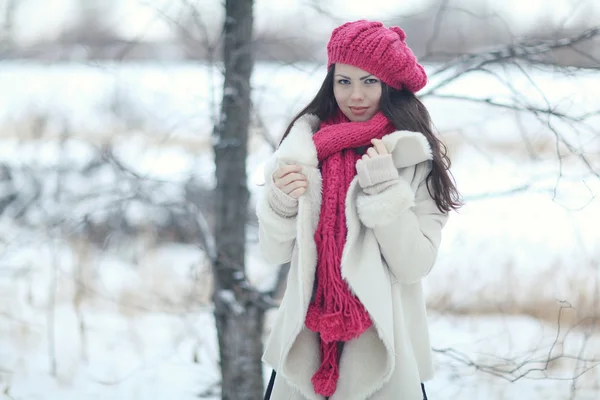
362, 78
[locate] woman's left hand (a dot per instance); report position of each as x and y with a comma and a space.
376, 170
377, 150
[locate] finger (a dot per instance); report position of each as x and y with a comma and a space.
365, 157
286, 169
372, 152
380, 147
290, 187
292, 177
297, 192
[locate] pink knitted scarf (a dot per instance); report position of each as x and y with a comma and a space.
335, 312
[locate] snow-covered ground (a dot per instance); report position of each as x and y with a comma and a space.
137, 324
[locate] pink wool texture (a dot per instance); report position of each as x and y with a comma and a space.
378, 50
335, 312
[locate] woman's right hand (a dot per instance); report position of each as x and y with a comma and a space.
290, 180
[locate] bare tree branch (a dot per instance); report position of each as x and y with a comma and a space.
526, 108
439, 16
524, 50
513, 370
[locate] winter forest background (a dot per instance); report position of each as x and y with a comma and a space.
128, 259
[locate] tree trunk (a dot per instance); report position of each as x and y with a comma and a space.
8, 31
238, 314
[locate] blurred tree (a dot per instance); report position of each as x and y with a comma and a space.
7, 34
92, 26
239, 312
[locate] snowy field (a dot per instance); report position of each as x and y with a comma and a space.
134, 321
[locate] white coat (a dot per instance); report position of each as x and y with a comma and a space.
392, 243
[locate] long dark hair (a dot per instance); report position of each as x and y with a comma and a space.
408, 113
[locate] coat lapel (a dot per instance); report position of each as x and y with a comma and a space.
298, 147
300, 346
407, 148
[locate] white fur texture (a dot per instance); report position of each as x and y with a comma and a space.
298, 147
314, 193
407, 148
385, 207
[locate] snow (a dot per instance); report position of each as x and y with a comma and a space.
509, 343
133, 320
228, 297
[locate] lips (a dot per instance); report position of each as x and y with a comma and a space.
358, 110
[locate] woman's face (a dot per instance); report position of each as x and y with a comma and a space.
356, 92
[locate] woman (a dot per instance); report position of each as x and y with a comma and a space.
356, 197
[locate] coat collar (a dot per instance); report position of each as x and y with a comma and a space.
407, 148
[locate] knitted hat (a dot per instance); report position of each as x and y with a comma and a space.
378, 50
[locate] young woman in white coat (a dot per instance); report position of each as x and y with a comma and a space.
356, 196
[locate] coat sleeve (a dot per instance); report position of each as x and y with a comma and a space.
276, 214
406, 223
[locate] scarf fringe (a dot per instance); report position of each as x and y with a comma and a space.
325, 379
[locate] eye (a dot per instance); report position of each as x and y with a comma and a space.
371, 81
343, 81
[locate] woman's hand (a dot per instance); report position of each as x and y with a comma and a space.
290, 180
378, 149
376, 170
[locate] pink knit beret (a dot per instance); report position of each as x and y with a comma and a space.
378, 50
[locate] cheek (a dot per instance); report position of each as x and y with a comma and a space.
375, 100
376, 96
339, 95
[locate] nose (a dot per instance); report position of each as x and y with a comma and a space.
357, 94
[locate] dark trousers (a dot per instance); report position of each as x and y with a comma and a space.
272, 382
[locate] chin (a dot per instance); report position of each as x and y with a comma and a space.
357, 118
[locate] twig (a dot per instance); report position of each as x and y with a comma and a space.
51, 314
519, 108
511, 372
523, 50
439, 16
